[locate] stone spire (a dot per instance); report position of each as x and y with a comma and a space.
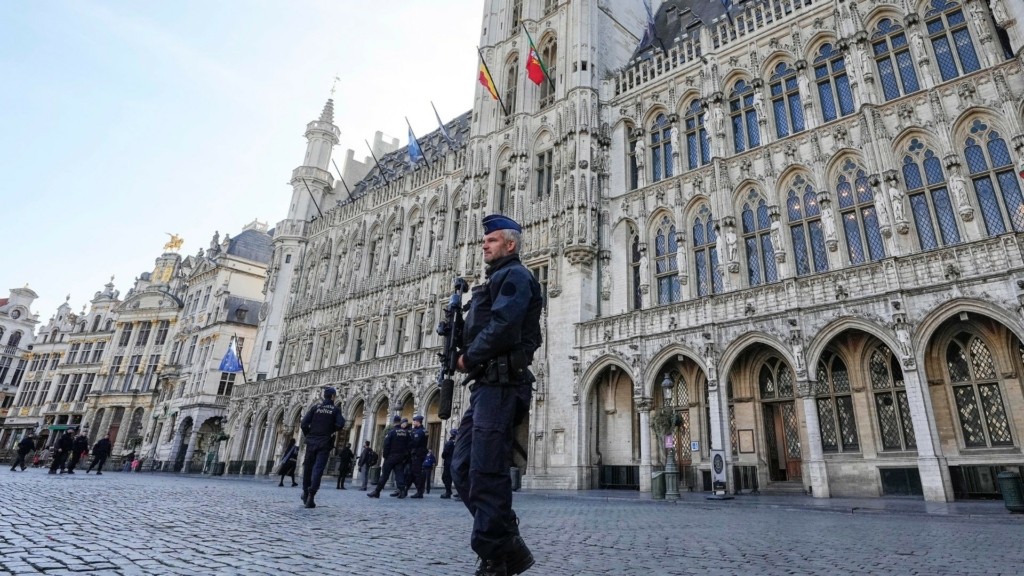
327, 115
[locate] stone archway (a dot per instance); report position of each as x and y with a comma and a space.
182, 439
613, 447
688, 437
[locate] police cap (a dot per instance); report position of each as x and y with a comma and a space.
330, 392
496, 222
405, 420
396, 419
418, 418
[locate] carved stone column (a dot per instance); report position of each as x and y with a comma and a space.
643, 405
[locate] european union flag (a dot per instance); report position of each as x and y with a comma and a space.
415, 153
231, 362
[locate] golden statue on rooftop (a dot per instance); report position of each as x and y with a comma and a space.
174, 244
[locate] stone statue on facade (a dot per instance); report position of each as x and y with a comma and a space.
828, 220
998, 11
215, 241
805, 87
759, 106
776, 237
896, 197
719, 119
640, 156
959, 187
730, 241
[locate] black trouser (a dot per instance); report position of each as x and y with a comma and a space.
58, 461
288, 469
428, 475
398, 465
314, 465
343, 472
98, 462
416, 468
76, 457
19, 461
446, 476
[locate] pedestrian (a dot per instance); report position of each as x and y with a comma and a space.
41, 458
80, 448
428, 469
446, 463
65, 444
127, 462
418, 452
289, 462
367, 460
344, 465
319, 425
396, 455
26, 445
100, 452
501, 334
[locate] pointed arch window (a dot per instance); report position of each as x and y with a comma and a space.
636, 296
666, 266
805, 227
705, 254
758, 241
857, 210
517, 16
634, 169
979, 401
661, 148
894, 61
549, 55
745, 133
833, 84
511, 84
836, 420
891, 407
930, 203
786, 108
681, 408
947, 28
775, 381
991, 167
698, 148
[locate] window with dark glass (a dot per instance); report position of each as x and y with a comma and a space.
786, 107
892, 410
666, 266
549, 56
858, 215
757, 239
835, 406
976, 392
895, 62
705, 253
636, 279
745, 132
951, 39
698, 148
995, 183
545, 174
930, 204
805, 227
661, 148
833, 84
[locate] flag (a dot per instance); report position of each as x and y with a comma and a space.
444, 131
231, 362
415, 153
487, 81
535, 69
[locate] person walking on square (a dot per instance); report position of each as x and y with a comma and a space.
502, 332
446, 463
79, 448
289, 462
65, 444
396, 455
428, 469
100, 452
41, 458
128, 460
319, 425
26, 445
367, 460
344, 465
418, 453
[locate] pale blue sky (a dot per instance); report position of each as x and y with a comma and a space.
123, 120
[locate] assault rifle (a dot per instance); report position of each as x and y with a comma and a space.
451, 328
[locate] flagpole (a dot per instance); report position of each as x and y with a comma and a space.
311, 197
377, 162
349, 192
491, 76
411, 131
240, 364
541, 62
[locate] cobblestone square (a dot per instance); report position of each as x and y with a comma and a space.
161, 524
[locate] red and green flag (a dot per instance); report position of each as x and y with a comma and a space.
535, 69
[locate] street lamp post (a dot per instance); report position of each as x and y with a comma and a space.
671, 468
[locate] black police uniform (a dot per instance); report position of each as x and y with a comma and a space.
397, 444
26, 445
62, 449
446, 467
100, 452
319, 426
502, 332
80, 447
418, 449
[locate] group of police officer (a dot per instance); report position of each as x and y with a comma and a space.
501, 335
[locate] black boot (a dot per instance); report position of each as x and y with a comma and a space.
492, 568
305, 494
281, 483
403, 493
446, 496
310, 503
395, 493
519, 558
417, 495
374, 494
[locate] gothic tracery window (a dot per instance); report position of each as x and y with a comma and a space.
951, 39
661, 148
930, 203
666, 266
511, 84
976, 392
705, 253
633, 177
698, 148
549, 56
836, 419
894, 60
786, 107
834, 91
757, 239
805, 227
892, 410
745, 132
991, 168
857, 211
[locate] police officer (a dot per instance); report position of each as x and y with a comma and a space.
396, 455
446, 464
418, 450
62, 449
319, 426
26, 445
502, 332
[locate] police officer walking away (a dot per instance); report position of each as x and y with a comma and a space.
26, 445
61, 449
396, 454
319, 426
502, 332
79, 448
446, 464
419, 453
100, 452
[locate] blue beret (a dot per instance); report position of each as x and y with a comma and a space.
418, 418
396, 419
496, 222
330, 392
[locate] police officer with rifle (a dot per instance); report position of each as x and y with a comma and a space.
502, 332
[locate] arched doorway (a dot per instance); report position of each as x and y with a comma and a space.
614, 433
115, 424
358, 416
381, 420
94, 429
687, 417
183, 438
781, 422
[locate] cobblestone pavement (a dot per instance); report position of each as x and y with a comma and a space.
163, 524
